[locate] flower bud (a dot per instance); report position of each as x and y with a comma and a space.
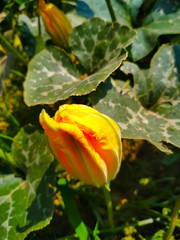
55, 23
86, 143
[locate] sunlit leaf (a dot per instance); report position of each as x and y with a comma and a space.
95, 42
159, 86
52, 76
133, 119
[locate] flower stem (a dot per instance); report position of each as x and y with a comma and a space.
174, 219
107, 195
111, 11
39, 26
12, 49
72, 210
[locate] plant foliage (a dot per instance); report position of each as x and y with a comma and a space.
128, 69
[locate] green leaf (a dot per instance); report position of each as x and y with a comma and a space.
7, 158
164, 76
134, 8
19, 1
158, 235
32, 24
27, 205
133, 119
160, 8
169, 159
50, 73
100, 9
72, 211
159, 86
95, 231
74, 18
95, 42
52, 76
140, 89
147, 35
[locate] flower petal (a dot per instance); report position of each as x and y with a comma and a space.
86, 142
71, 148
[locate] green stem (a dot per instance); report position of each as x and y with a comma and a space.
107, 196
39, 26
174, 219
6, 137
72, 211
12, 49
111, 11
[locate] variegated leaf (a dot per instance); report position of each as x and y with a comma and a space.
27, 205
53, 77
160, 84
134, 120
148, 34
158, 89
95, 42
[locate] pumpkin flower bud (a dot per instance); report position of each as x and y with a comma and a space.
86, 143
55, 23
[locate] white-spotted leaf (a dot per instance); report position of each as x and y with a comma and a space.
96, 42
134, 120
52, 76
157, 89
26, 204
147, 35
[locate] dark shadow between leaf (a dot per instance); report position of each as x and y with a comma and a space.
176, 49
101, 91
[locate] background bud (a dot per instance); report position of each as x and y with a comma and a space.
56, 23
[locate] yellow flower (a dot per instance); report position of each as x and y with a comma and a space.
55, 23
86, 142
